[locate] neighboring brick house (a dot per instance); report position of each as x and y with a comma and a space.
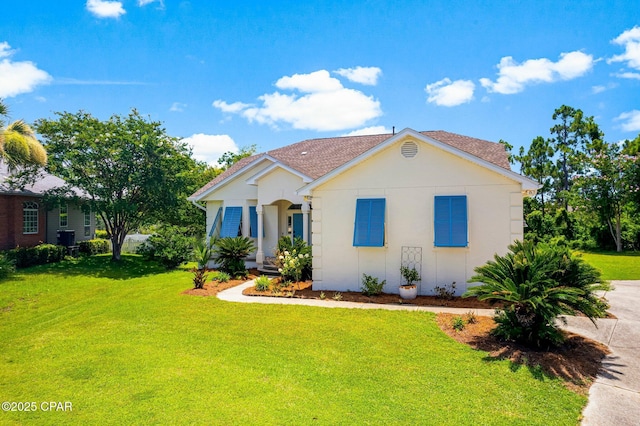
25, 221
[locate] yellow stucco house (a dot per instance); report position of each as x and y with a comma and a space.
437, 201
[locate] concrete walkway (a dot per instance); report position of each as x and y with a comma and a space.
614, 398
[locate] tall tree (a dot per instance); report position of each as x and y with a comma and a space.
127, 167
567, 135
605, 187
18, 144
536, 163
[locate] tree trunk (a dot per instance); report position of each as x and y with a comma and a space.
618, 235
116, 248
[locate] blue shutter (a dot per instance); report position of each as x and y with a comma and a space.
231, 222
369, 224
459, 221
450, 221
215, 222
253, 221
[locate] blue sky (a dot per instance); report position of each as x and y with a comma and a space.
231, 74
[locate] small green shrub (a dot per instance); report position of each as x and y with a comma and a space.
24, 257
262, 283
322, 295
95, 246
446, 292
371, 286
337, 296
222, 277
102, 234
7, 268
458, 323
170, 246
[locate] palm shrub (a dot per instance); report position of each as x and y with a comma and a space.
536, 284
230, 252
202, 252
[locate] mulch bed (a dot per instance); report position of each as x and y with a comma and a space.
302, 290
577, 361
213, 287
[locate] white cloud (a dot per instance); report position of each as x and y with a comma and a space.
630, 39
373, 130
450, 93
363, 75
628, 74
5, 50
18, 77
601, 88
105, 9
209, 148
323, 104
177, 107
233, 108
318, 81
513, 77
631, 120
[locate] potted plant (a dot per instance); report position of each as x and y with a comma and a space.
409, 290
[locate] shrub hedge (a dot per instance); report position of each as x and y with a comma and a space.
23, 257
96, 246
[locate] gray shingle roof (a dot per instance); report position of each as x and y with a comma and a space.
326, 154
39, 187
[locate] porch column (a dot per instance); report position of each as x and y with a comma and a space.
260, 252
305, 221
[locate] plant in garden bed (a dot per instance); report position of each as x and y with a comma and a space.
230, 253
221, 277
262, 283
201, 254
293, 259
446, 292
536, 284
371, 286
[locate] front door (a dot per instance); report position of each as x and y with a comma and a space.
295, 225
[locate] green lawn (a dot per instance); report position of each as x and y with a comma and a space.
615, 266
125, 347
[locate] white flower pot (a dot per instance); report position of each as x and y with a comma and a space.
408, 292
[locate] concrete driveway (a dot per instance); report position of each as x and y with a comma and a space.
614, 398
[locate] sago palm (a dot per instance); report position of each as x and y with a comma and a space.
536, 284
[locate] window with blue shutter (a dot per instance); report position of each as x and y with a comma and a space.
450, 221
231, 222
216, 221
368, 229
253, 222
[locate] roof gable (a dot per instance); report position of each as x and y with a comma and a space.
317, 158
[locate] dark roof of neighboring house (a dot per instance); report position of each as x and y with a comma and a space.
326, 154
43, 184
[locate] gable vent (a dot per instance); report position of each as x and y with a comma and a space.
409, 149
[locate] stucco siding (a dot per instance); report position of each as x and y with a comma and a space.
279, 184
409, 185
